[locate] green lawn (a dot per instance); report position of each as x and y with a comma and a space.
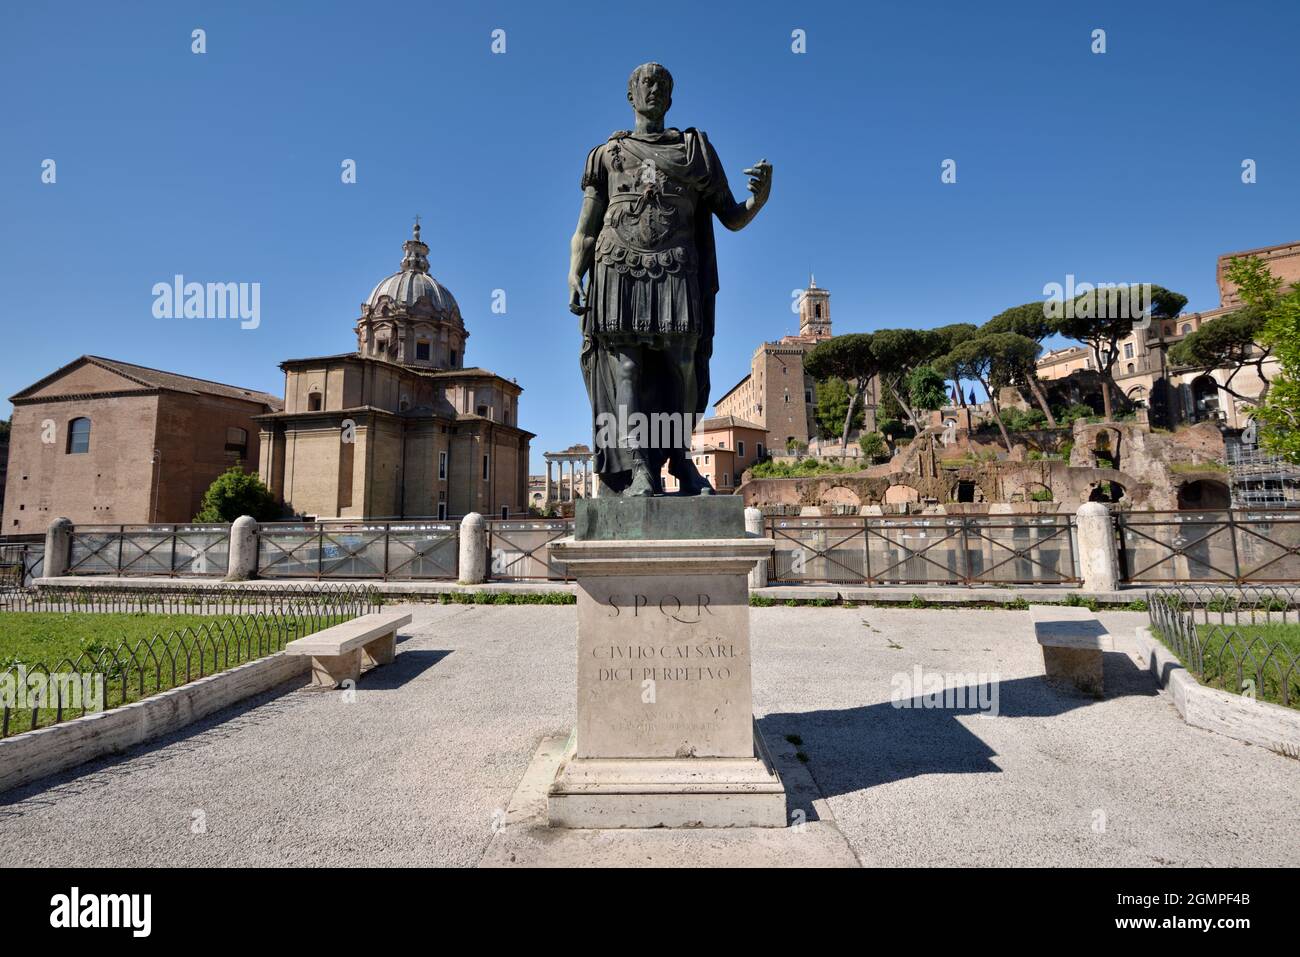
1220, 670
52, 638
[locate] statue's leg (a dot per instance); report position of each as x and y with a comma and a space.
629, 393
683, 387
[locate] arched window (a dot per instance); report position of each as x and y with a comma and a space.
79, 435
237, 441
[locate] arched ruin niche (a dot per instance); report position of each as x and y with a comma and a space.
1204, 494
1105, 449
1106, 491
841, 499
966, 490
901, 495
1038, 492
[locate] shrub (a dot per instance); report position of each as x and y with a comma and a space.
1022, 420
234, 493
873, 446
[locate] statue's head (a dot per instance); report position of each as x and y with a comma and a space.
650, 90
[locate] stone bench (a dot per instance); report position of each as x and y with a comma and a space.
1072, 640
338, 653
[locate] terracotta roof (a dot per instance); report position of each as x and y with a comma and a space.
727, 422
468, 372
171, 381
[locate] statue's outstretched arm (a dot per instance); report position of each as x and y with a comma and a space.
738, 215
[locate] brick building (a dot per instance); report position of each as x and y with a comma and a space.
777, 395
106, 442
401, 428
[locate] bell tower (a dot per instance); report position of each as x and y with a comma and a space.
815, 312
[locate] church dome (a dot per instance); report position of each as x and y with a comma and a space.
407, 288
410, 318
413, 282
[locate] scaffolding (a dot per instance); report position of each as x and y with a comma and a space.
1260, 479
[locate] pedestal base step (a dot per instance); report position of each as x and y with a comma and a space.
667, 792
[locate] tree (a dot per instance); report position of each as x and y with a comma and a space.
848, 357
833, 397
946, 338
898, 353
1102, 318
927, 388
993, 359
1030, 321
234, 493
1279, 409
1228, 342
1280, 412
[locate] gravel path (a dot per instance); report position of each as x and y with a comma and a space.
414, 770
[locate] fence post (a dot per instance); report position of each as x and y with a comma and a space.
754, 528
1098, 561
58, 548
473, 549
242, 563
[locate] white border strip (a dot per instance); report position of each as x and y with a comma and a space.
1258, 722
32, 755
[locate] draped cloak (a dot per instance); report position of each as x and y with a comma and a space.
654, 274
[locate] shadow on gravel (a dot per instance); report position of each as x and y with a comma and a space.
855, 748
405, 666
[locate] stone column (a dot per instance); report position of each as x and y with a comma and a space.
546, 500
1098, 559
754, 529
58, 548
473, 549
243, 549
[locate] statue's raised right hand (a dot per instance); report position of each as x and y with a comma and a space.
575, 295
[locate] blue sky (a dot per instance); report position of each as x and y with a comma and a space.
225, 166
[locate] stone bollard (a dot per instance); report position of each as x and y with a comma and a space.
58, 548
754, 526
473, 549
243, 549
1098, 560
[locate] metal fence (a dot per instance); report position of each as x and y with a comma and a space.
1217, 634
38, 693
925, 549
520, 550
1242, 546
392, 551
164, 550
305, 599
21, 562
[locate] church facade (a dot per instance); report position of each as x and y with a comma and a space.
401, 428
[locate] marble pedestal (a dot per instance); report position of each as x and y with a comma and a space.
665, 735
